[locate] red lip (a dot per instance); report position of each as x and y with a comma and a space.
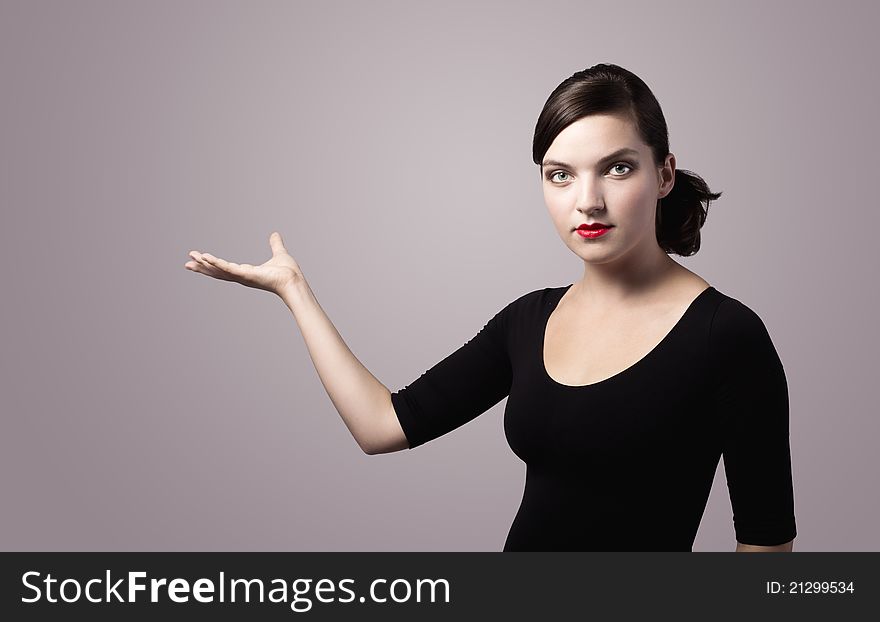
594, 226
593, 233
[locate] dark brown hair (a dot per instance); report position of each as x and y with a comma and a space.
610, 89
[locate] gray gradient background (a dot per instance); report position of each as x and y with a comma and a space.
147, 407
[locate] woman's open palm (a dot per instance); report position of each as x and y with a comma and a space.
271, 276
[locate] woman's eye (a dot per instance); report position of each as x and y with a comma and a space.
629, 168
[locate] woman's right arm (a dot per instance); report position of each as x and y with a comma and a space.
361, 400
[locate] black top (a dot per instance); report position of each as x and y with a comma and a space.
626, 463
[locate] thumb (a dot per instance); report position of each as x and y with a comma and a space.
276, 243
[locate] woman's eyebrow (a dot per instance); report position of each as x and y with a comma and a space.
610, 156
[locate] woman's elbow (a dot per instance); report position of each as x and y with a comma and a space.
388, 437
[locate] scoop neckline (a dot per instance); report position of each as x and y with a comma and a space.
628, 370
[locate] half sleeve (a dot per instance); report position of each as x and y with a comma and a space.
459, 388
750, 394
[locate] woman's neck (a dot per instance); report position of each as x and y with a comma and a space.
635, 281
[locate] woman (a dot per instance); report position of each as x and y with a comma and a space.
624, 388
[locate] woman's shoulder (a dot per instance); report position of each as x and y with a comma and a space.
735, 325
537, 298
742, 355
526, 309
732, 310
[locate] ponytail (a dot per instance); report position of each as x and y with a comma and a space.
682, 212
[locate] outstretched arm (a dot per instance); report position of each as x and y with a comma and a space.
362, 401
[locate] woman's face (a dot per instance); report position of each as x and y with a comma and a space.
582, 185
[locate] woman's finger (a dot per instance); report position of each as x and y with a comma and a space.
207, 268
207, 265
197, 257
277, 244
222, 264
195, 266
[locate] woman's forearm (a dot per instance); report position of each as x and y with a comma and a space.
362, 401
752, 548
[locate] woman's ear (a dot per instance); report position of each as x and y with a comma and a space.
667, 176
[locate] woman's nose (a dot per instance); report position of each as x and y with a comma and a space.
589, 196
